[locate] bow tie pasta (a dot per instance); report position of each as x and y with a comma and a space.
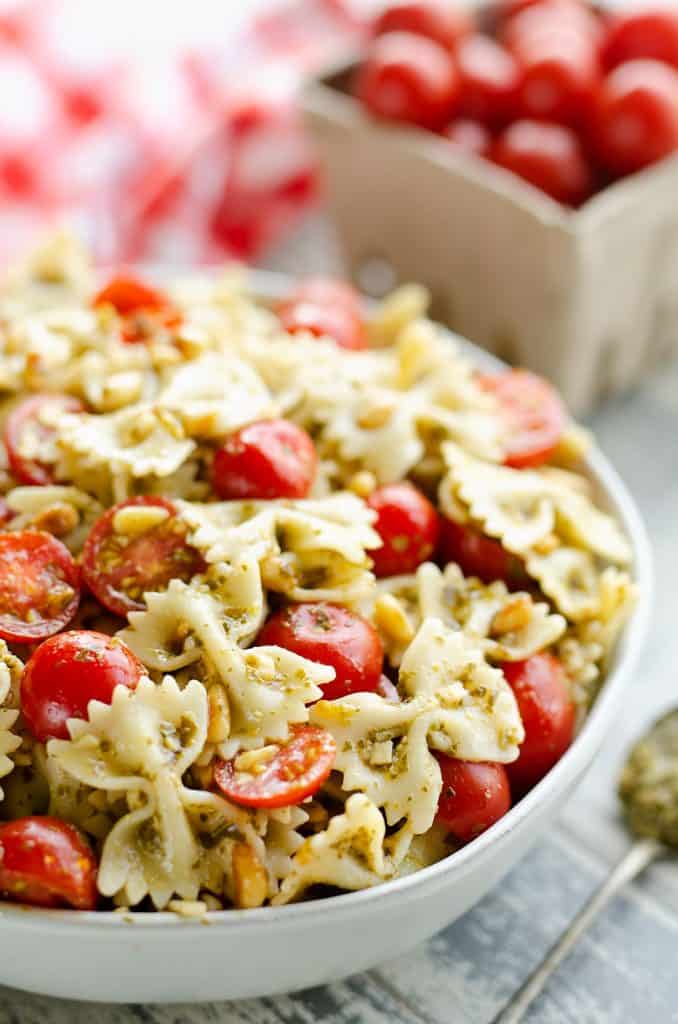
281, 586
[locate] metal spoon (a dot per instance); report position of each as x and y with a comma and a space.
648, 789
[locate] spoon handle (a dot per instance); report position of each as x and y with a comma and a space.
642, 853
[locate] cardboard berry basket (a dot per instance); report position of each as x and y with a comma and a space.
587, 297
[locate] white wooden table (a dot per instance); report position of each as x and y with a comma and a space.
624, 971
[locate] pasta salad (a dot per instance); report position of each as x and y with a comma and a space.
293, 600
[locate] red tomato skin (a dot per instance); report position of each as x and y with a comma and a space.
489, 81
148, 551
409, 78
470, 136
478, 555
69, 670
327, 290
548, 716
128, 294
474, 796
25, 558
45, 862
642, 35
323, 319
534, 412
442, 22
409, 528
635, 119
330, 635
548, 156
293, 775
31, 471
265, 460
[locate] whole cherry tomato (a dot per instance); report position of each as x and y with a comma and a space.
66, 672
635, 120
265, 460
324, 318
408, 525
439, 20
473, 797
469, 136
30, 428
478, 555
548, 716
548, 156
39, 586
330, 635
293, 774
46, 863
534, 415
409, 78
489, 80
642, 35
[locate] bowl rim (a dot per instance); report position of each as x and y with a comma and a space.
565, 773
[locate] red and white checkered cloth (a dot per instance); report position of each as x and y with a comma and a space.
184, 158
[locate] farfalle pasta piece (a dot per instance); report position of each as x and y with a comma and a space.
268, 688
348, 854
506, 626
10, 741
215, 394
66, 512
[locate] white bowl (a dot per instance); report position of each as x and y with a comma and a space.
241, 953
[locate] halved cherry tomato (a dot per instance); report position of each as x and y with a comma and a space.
68, 671
265, 460
635, 121
144, 307
548, 156
470, 136
473, 797
296, 772
29, 429
327, 291
642, 35
39, 586
408, 525
46, 862
330, 635
478, 555
409, 78
488, 75
119, 568
324, 319
534, 414
438, 20
548, 715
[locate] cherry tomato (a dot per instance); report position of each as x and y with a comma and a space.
66, 672
470, 136
534, 414
409, 78
46, 863
473, 797
408, 525
330, 635
29, 429
548, 715
119, 568
635, 121
548, 156
489, 80
324, 319
39, 586
296, 772
642, 35
436, 19
478, 555
265, 460
128, 294
327, 291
